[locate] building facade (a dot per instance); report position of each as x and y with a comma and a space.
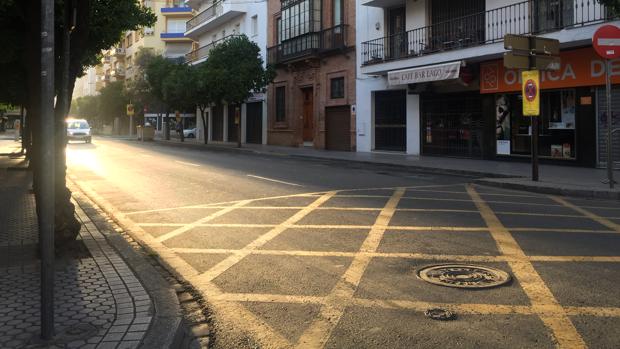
431, 80
312, 99
215, 22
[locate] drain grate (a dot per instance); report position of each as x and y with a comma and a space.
463, 276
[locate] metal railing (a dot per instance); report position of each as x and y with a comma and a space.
527, 17
211, 12
314, 43
203, 52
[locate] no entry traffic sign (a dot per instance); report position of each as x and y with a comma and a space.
606, 41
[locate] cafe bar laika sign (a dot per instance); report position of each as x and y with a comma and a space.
438, 72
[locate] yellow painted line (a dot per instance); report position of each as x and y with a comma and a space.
593, 311
320, 330
465, 193
269, 298
435, 210
534, 286
561, 230
230, 261
190, 226
435, 228
477, 309
601, 220
537, 214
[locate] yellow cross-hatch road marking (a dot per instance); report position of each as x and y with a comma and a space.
320, 330
535, 288
601, 220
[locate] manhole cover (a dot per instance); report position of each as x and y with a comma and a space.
440, 314
463, 276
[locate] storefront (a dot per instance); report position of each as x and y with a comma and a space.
570, 108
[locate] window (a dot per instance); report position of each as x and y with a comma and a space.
280, 103
237, 28
337, 11
337, 88
299, 18
176, 26
254, 25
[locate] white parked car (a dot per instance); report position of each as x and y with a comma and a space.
189, 133
78, 130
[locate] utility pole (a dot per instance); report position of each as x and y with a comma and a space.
46, 204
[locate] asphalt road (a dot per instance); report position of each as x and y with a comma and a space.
312, 254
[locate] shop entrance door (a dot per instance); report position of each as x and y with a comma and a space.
602, 126
391, 120
452, 125
308, 114
254, 123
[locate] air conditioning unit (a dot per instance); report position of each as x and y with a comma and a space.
149, 31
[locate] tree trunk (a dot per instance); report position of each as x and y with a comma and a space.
204, 124
167, 129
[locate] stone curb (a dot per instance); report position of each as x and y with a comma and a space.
550, 189
166, 330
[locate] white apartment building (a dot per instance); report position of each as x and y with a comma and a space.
431, 80
218, 20
86, 84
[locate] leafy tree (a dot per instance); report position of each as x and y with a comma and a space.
138, 89
112, 102
234, 70
201, 93
87, 107
612, 5
82, 30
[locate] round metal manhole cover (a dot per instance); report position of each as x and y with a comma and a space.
463, 276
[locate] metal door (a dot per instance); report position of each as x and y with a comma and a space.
254, 123
391, 120
338, 128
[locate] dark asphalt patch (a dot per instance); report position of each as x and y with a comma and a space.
368, 202
395, 328
288, 319
441, 193
290, 275
592, 284
293, 201
539, 209
173, 216
343, 240
430, 203
439, 242
568, 244
255, 216
546, 222
338, 217
203, 261
382, 192
216, 237
522, 200
395, 278
598, 332
437, 219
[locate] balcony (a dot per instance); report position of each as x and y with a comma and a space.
309, 45
201, 54
177, 37
176, 11
527, 17
118, 72
117, 51
221, 11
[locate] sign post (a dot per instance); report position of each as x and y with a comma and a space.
532, 54
606, 42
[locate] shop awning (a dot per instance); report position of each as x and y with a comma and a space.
444, 71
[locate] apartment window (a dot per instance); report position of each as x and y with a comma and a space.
280, 103
238, 28
254, 25
278, 30
176, 26
337, 12
299, 17
337, 88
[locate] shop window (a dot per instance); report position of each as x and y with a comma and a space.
337, 88
556, 125
280, 103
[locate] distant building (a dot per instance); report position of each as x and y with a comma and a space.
215, 22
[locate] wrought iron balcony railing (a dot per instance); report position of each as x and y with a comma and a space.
527, 17
211, 12
309, 44
203, 52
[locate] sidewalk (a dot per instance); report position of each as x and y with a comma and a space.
559, 180
100, 302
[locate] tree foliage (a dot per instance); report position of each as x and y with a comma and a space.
613, 5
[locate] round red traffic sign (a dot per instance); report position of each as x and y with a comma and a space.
530, 90
606, 41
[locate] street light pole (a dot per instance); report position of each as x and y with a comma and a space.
46, 174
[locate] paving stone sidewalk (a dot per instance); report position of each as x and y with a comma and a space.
99, 301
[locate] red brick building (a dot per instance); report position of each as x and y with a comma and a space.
312, 99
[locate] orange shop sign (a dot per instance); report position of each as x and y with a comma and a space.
581, 67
